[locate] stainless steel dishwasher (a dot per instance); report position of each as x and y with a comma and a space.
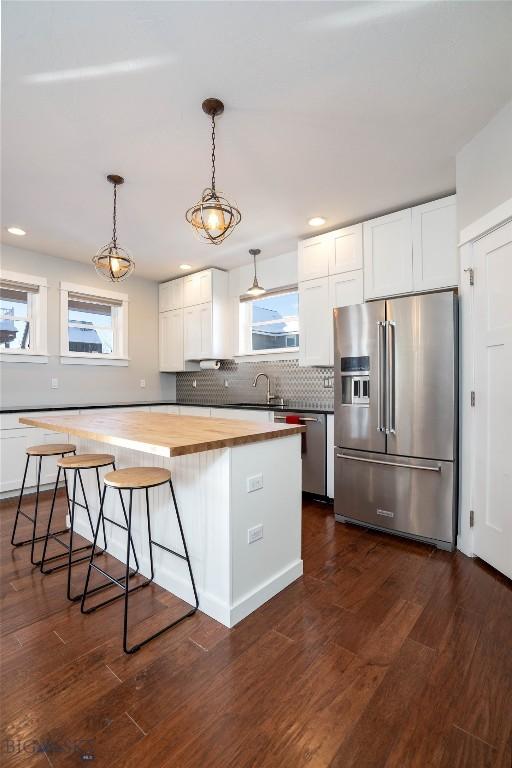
313, 450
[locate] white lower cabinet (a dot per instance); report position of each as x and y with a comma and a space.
314, 319
193, 410
330, 455
243, 414
175, 409
170, 341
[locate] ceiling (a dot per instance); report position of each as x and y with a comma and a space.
338, 109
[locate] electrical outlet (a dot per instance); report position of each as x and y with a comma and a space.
143, 383
254, 534
194, 383
226, 383
254, 483
54, 383
328, 382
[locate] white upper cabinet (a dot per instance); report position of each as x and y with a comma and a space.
346, 253
197, 288
171, 341
198, 340
344, 290
435, 253
314, 257
170, 295
314, 319
387, 243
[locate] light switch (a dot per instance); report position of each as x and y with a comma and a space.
55, 384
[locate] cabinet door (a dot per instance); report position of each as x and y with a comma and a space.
171, 341
346, 254
314, 257
164, 297
435, 253
191, 334
344, 290
387, 243
14, 443
314, 319
243, 414
176, 294
204, 319
197, 289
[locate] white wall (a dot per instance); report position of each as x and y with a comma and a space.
277, 272
484, 169
29, 383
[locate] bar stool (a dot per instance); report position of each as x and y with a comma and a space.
134, 479
77, 464
38, 452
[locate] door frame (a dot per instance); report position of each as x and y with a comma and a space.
495, 219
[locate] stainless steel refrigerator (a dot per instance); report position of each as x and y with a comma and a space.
395, 415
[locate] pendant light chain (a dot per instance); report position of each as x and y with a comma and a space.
114, 233
213, 153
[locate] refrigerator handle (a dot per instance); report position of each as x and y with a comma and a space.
390, 377
381, 381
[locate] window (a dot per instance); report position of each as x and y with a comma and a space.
93, 324
270, 323
22, 315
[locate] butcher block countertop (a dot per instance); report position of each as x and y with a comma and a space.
163, 434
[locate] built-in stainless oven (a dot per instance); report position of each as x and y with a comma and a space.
314, 445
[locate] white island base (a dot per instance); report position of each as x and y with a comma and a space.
233, 577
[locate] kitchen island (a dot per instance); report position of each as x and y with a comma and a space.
230, 477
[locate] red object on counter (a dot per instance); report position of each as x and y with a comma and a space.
292, 419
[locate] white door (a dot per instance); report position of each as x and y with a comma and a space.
314, 257
197, 288
492, 498
435, 252
171, 341
387, 243
347, 251
165, 297
314, 318
176, 294
344, 290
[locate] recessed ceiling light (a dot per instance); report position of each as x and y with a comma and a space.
185, 266
316, 221
16, 231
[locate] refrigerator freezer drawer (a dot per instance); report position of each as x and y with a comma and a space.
404, 495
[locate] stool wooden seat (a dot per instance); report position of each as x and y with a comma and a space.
51, 449
86, 461
133, 478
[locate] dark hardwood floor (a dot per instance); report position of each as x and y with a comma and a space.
386, 654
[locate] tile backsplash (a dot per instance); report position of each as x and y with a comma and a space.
232, 383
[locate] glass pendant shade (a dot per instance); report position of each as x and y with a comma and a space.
113, 262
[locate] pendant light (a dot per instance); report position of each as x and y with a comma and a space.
255, 289
112, 261
213, 216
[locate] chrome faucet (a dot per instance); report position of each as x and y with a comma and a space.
270, 397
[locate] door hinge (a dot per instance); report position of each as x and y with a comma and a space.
471, 275
473, 398
471, 518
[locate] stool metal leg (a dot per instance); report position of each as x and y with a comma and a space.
111, 579
186, 557
36, 508
19, 512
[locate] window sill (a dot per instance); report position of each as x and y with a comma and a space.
93, 360
23, 357
275, 354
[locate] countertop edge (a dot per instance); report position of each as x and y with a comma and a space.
145, 403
